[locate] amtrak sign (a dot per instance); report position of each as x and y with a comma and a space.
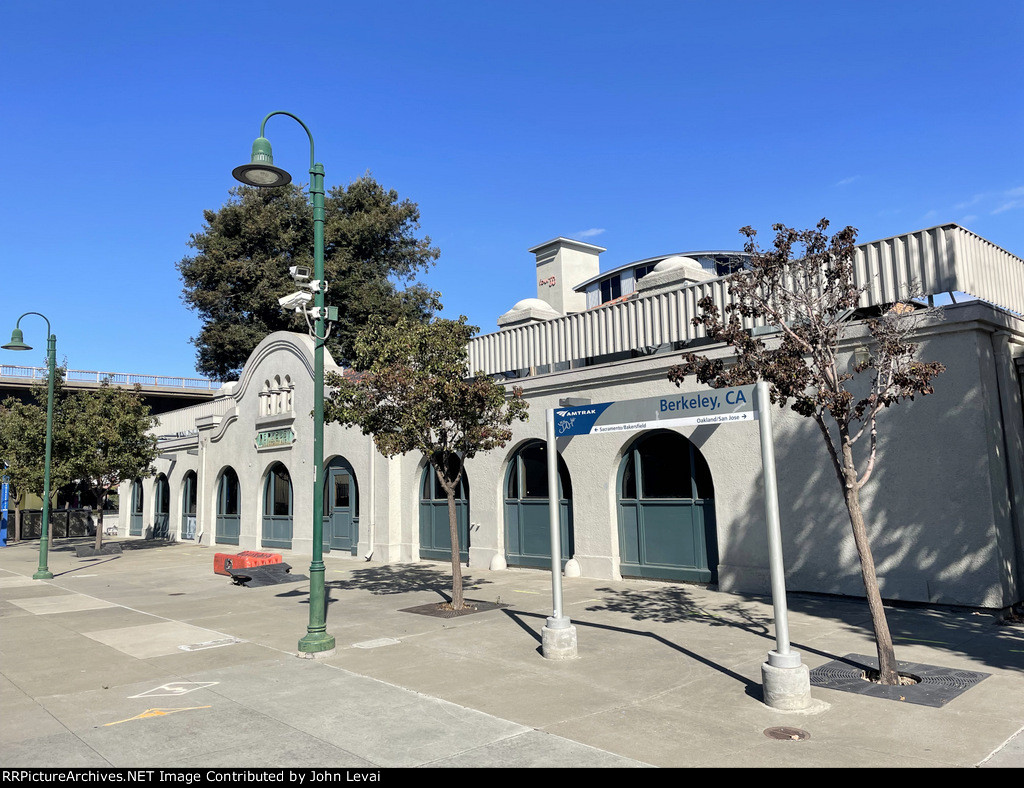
718, 406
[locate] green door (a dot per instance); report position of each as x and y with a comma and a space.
341, 519
435, 533
527, 526
666, 511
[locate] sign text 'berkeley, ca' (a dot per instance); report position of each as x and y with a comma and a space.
675, 410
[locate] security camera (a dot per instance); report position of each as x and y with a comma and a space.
300, 273
295, 301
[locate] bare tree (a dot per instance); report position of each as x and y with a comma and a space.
805, 288
414, 392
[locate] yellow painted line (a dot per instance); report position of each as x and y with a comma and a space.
156, 713
920, 640
516, 590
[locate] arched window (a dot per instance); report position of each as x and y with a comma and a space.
189, 489
666, 510
162, 508
135, 521
228, 508
435, 531
527, 524
277, 508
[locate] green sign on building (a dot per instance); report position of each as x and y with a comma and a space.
270, 438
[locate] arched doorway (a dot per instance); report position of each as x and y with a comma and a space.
188, 506
666, 510
277, 508
228, 526
341, 507
161, 508
527, 527
435, 533
135, 521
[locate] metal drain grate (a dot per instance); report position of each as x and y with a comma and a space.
936, 686
439, 609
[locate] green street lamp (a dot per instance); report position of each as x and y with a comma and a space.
18, 343
261, 172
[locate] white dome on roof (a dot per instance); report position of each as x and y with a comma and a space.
677, 261
531, 303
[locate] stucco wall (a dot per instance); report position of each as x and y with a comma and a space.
939, 504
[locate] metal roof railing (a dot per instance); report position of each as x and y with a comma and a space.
936, 260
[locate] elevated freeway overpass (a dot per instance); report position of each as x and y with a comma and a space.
162, 393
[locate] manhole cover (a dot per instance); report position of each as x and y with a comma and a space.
786, 734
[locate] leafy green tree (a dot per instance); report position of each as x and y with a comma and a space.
112, 440
412, 392
244, 251
804, 287
23, 444
100, 437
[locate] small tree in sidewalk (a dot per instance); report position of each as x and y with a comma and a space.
805, 288
23, 444
412, 391
113, 442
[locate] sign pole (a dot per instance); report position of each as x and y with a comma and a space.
785, 679
558, 636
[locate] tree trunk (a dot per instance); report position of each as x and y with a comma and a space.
453, 526
887, 673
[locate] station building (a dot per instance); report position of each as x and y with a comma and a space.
945, 507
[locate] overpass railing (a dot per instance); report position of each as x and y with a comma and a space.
118, 378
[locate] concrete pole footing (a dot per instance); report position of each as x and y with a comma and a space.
786, 687
558, 639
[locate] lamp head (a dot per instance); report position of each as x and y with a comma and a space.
261, 170
17, 341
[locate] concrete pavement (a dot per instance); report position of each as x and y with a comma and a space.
148, 659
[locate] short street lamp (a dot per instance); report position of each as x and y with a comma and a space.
262, 172
18, 343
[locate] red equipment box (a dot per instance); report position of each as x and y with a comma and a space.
222, 562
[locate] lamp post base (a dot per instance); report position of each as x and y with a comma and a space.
786, 682
43, 574
316, 644
558, 639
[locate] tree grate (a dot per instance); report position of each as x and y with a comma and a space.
442, 610
936, 686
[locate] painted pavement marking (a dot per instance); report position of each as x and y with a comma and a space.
175, 688
156, 713
376, 643
210, 644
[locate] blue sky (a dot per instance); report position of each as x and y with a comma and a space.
646, 128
